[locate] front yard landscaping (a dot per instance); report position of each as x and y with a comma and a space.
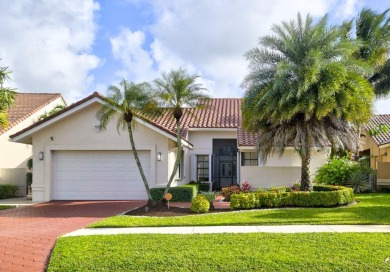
224, 252
370, 209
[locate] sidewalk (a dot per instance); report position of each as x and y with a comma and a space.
233, 229
16, 201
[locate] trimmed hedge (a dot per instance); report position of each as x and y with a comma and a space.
8, 190
204, 187
322, 196
182, 193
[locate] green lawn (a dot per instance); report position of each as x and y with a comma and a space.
5, 207
371, 209
223, 252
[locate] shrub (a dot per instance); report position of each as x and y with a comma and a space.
8, 190
204, 187
200, 204
228, 191
210, 197
245, 187
359, 182
183, 193
279, 189
322, 196
335, 172
296, 186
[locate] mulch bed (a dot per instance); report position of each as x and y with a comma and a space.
163, 211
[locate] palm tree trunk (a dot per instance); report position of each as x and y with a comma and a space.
178, 158
140, 169
306, 184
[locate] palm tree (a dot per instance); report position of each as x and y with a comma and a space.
51, 112
7, 97
177, 90
373, 30
304, 89
125, 102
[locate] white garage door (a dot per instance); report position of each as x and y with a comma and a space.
98, 175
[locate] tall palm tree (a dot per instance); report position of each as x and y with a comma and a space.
373, 30
125, 102
304, 89
7, 97
177, 90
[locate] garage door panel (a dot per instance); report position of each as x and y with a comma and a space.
98, 175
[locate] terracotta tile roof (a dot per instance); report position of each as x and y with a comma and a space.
382, 138
217, 113
26, 104
245, 138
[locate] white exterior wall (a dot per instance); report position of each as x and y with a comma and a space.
281, 171
78, 132
203, 145
14, 156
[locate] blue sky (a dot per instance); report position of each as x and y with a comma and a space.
77, 47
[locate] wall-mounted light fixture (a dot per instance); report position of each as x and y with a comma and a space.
41, 156
159, 156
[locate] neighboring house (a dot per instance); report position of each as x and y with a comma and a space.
378, 149
74, 159
24, 112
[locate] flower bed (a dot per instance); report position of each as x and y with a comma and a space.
322, 196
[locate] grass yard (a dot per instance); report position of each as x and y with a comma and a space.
371, 209
5, 207
223, 252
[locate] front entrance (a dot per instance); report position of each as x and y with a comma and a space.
224, 163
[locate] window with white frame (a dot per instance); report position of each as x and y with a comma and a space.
249, 159
202, 167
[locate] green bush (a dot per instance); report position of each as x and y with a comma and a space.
204, 187
279, 189
210, 197
322, 196
336, 171
183, 193
200, 204
8, 190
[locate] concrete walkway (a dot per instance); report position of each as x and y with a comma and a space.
233, 229
16, 201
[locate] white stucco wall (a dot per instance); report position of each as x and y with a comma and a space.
14, 156
281, 171
78, 132
203, 145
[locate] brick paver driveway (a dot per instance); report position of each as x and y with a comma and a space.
28, 234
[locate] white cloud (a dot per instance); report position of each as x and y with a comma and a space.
47, 44
382, 106
211, 37
127, 47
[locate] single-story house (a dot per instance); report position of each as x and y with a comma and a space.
377, 147
75, 159
26, 110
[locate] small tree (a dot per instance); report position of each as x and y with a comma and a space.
177, 90
125, 102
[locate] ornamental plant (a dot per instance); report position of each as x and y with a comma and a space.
210, 197
200, 204
245, 187
228, 191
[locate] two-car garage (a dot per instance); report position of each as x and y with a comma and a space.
98, 175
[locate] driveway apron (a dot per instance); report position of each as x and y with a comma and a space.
28, 234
